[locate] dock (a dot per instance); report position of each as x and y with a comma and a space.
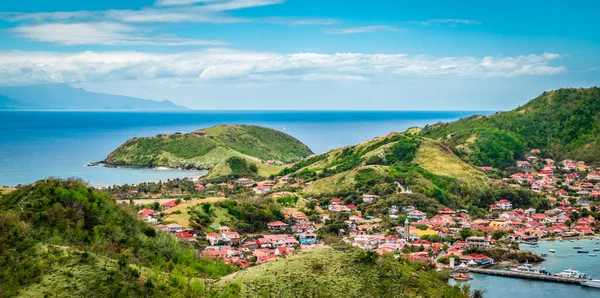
542, 277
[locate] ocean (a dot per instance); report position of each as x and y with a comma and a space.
39, 144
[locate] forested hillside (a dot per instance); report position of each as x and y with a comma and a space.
62, 237
564, 123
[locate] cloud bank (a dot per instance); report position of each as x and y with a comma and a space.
214, 65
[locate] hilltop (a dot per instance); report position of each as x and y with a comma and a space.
210, 147
563, 123
376, 166
65, 97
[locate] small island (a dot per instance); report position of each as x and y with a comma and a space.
262, 149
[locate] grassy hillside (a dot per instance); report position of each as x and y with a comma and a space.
424, 165
223, 170
325, 272
563, 123
343, 182
206, 148
61, 229
181, 213
435, 158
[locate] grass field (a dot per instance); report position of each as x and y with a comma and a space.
184, 217
5, 190
434, 159
337, 182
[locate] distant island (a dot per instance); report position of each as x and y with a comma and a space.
65, 97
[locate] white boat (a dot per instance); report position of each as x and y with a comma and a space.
528, 268
552, 251
596, 249
572, 273
594, 283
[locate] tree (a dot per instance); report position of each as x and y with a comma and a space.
499, 234
466, 233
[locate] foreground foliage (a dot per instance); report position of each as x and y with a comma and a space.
57, 213
325, 272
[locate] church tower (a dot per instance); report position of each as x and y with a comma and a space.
407, 229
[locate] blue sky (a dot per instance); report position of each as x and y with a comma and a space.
305, 54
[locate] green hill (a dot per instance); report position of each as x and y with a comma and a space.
424, 165
66, 239
325, 272
206, 148
563, 123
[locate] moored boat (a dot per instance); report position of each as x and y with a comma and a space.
592, 255
528, 268
577, 247
583, 251
594, 283
572, 274
552, 251
596, 249
461, 277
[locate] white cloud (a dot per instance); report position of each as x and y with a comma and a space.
365, 29
100, 34
211, 11
240, 66
451, 22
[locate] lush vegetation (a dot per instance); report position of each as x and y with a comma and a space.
562, 123
44, 226
206, 148
251, 215
325, 272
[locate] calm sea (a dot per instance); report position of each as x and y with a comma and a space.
565, 257
35, 145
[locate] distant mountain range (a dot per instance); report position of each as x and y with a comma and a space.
65, 97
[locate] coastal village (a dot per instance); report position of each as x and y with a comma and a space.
434, 238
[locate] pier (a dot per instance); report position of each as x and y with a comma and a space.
542, 277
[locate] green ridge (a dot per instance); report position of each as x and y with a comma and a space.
206, 148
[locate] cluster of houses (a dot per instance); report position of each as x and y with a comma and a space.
564, 178
265, 248
296, 233
519, 225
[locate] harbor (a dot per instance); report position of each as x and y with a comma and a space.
516, 284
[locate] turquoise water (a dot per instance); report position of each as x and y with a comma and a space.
565, 257
35, 145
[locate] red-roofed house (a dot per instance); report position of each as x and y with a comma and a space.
277, 226
168, 205
416, 215
504, 204
213, 238
185, 236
